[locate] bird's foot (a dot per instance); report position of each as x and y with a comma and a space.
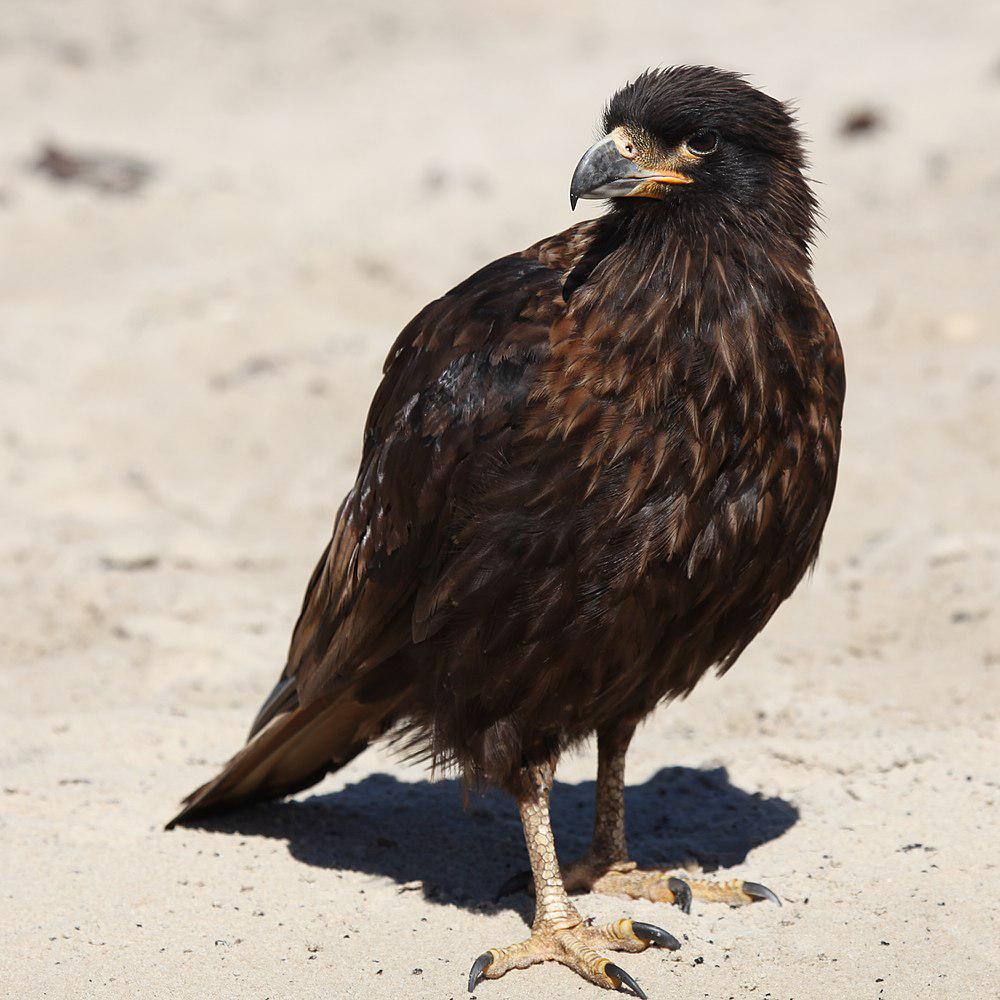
624, 878
579, 948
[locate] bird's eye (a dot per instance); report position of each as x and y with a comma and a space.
702, 142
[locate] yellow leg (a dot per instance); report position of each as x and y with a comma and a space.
606, 866
559, 933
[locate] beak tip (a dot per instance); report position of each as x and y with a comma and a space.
572, 202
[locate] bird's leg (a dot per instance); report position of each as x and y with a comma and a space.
606, 866
608, 846
559, 933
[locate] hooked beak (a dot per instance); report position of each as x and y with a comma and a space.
605, 172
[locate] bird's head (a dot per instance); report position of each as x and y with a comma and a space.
703, 146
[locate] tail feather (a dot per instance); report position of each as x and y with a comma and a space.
284, 698
293, 751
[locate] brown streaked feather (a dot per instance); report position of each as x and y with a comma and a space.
565, 511
293, 751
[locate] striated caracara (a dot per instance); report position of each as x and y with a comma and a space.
591, 473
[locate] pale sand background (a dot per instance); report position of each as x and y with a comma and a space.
184, 375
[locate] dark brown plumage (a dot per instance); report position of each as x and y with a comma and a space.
591, 473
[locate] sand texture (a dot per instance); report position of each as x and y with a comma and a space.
189, 339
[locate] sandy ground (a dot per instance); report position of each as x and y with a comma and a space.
184, 374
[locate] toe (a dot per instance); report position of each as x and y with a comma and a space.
478, 971
655, 936
682, 893
756, 892
630, 935
735, 892
619, 978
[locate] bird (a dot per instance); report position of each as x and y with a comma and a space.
591, 473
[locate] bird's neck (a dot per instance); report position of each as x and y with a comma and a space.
676, 248
657, 313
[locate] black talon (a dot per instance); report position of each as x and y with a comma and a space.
520, 882
758, 891
479, 966
681, 891
656, 936
621, 978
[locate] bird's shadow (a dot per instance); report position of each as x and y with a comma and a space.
420, 835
